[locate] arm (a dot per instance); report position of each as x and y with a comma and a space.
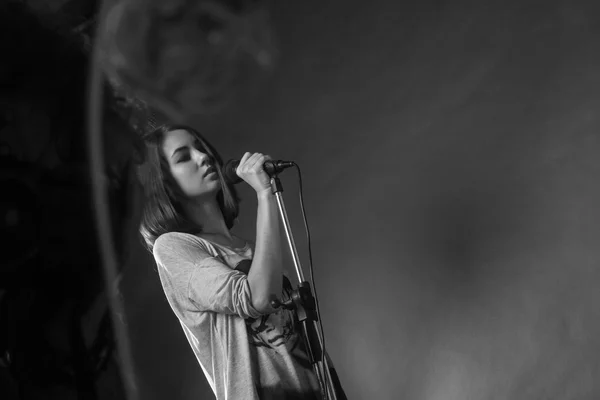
264, 277
194, 280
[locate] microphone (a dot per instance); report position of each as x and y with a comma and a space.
271, 167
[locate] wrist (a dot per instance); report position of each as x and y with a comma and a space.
265, 194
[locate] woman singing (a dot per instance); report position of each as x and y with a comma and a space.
218, 284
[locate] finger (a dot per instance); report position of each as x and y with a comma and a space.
251, 161
254, 157
258, 163
245, 157
243, 161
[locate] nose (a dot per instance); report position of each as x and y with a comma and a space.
201, 158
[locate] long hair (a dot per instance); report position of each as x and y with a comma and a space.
163, 211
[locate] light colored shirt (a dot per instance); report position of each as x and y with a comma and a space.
244, 354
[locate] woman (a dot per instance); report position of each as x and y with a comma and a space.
218, 284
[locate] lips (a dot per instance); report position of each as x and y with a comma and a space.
210, 170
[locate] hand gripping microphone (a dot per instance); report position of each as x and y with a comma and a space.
271, 167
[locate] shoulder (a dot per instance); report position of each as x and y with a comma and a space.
178, 244
170, 238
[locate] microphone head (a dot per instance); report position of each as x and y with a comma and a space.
273, 167
229, 172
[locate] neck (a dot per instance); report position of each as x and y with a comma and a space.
207, 214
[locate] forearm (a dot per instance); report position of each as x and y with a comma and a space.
265, 275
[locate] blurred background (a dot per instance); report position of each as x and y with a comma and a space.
449, 152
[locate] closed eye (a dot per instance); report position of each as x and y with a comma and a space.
183, 152
184, 158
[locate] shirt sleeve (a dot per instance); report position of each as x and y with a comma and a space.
208, 283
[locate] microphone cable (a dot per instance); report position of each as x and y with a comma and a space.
312, 279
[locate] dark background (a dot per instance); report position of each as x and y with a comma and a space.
449, 152
450, 160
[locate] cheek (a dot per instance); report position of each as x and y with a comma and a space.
182, 172
183, 176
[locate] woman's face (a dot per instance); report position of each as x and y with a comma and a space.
190, 166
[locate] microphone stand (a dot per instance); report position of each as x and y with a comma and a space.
303, 301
